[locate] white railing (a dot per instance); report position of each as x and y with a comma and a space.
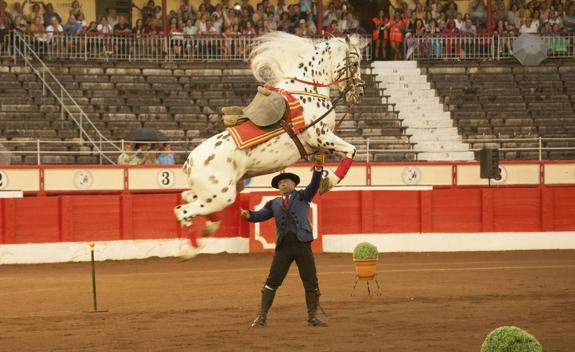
43, 147
155, 48
482, 47
68, 105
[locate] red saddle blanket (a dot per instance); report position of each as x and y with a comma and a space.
248, 134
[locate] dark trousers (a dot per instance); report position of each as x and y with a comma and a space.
288, 250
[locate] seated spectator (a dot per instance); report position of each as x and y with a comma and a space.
248, 29
312, 28
128, 157
148, 154
152, 28
301, 29
104, 27
513, 16
18, 10
209, 7
49, 13
90, 28
112, 17
35, 12
451, 12
77, 11
166, 156
190, 28
139, 28
19, 24
528, 26
468, 28
72, 27
54, 28
122, 27
333, 29
478, 12
148, 12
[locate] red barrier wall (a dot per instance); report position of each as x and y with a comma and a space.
150, 216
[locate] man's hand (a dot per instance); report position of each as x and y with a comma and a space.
319, 159
245, 214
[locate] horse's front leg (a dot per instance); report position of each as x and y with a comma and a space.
330, 141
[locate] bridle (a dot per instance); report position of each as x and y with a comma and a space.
349, 72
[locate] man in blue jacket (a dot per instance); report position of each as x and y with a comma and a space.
293, 240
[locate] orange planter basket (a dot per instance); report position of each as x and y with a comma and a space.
365, 268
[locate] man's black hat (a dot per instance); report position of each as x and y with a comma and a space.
276, 180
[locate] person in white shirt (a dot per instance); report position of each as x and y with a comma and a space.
53, 27
104, 26
528, 26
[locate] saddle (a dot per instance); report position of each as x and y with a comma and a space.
265, 110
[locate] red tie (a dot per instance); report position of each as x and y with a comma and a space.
286, 201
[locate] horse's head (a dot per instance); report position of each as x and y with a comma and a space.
279, 56
346, 67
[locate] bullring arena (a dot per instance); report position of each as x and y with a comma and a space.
123, 182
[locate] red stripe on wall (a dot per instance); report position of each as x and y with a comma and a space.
150, 216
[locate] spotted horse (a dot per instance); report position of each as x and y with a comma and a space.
304, 70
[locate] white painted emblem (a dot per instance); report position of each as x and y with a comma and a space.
83, 179
411, 175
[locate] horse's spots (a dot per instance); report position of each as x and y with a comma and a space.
234, 164
210, 158
195, 196
317, 104
214, 196
309, 99
230, 183
229, 160
313, 57
201, 205
229, 200
309, 63
300, 65
218, 143
220, 136
287, 143
317, 130
292, 81
209, 200
225, 189
263, 150
305, 68
213, 179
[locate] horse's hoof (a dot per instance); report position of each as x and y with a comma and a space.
211, 227
190, 252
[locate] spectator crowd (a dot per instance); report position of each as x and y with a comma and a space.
147, 154
393, 29
222, 18
443, 19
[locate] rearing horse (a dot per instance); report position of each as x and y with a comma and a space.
306, 70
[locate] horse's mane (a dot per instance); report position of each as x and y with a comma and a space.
275, 53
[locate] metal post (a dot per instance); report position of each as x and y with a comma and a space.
100, 149
367, 147
94, 299
540, 145
44, 82
38, 151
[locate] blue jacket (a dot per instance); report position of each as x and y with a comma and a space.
298, 209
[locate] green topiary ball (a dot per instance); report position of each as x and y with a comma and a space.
510, 339
365, 250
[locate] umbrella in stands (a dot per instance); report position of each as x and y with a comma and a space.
146, 135
529, 49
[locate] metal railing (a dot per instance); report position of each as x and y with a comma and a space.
138, 47
39, 147
68, 105
482, 47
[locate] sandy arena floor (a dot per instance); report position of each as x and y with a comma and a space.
430, 302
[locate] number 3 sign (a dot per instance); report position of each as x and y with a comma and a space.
166, 178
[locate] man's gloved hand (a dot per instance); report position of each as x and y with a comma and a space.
319, 159
245, 214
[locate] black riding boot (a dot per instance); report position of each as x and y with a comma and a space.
312, 301
267, 300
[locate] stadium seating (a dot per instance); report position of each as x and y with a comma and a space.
506, 100
182, 101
